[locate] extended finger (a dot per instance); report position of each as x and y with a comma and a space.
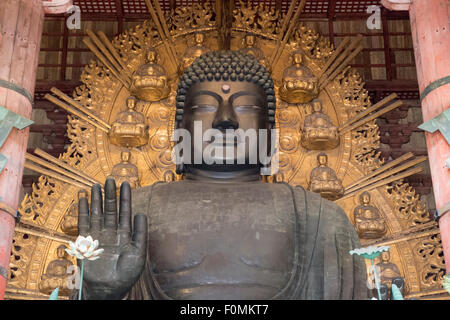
83, 216
96, 208
110, 204
125, 208
140, 232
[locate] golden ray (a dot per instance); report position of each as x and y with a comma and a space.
43, 232
337, 63
52, 174
420, 231
163, 30
88, 42
114, 52
391, 164
335, 54
80, 113
64, 165
109, 54
285, 36
380, 183
379, 175
362, 114
371, 117
59, 170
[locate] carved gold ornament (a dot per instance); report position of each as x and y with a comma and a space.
113, 76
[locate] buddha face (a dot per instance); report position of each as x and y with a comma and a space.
151, 56
60, 252
250, 40
385, 256
298, 58
322, 159
125, 156
317, 106
365, 198
131, 103
223, 105
199, 38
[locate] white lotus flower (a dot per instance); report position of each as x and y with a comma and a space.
84, 248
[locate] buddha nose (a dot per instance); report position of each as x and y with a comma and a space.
225, 118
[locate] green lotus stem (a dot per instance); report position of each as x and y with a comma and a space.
374, 275
81, 279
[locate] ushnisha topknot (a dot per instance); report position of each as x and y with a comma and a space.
228, 66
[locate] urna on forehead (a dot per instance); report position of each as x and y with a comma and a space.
226, 66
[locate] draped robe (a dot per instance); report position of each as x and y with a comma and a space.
320, 266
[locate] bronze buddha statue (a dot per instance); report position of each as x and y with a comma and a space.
221, 233
368, 222
57, 275
319, 133
150, 83
130, 128
324, 180
299, 85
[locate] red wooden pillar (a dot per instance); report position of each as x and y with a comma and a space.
21, 24
430, 28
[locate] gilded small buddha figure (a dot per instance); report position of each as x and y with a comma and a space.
125, 171
368, 222
69, 224
319, 133
57, 274
388, 274
250, 48
130, 128
324, 180
149, 83
299, 85
194, 51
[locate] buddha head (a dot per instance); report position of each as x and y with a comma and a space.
225, 90
317, 106
385, 256
250, 40
125, 156
322, 159
61, 252
131, 103
364, 198
199, 38
297, 57
151, 55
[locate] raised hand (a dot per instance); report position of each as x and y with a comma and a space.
120, 265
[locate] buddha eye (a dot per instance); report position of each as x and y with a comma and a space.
247, 108
204, 108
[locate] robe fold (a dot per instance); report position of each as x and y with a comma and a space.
322, 268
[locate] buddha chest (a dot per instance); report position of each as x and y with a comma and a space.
214, 239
